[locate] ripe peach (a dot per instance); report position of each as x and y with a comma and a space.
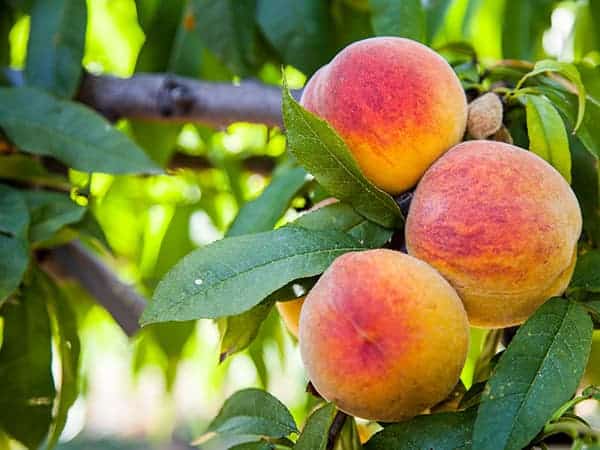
383, 335
499, 223
290, 310
396, 103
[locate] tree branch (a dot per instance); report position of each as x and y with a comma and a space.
119, 299
259, 164
172, 98
161, 97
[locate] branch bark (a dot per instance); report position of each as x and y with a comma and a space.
118, 298
166, 97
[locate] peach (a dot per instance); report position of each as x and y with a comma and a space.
499, 223
396, 103
383, 335
290, 313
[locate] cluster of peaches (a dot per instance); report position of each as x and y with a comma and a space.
491, 234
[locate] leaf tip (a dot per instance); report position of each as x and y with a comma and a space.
223, 356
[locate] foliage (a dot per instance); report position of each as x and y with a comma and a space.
67, 173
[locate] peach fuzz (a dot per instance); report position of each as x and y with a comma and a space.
499, 223
383, 335
397, 104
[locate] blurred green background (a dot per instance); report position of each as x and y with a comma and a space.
162, 387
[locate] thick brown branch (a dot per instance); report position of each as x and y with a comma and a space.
119, 299
172, 98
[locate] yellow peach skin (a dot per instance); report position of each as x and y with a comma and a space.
396, 103
290, 313
383, 335
499, 223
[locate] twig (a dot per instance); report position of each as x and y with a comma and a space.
336, 427
259, 164
119, 299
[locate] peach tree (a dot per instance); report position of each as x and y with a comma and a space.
428, 183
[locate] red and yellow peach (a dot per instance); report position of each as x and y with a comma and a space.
396, 103
383, 335
501, 225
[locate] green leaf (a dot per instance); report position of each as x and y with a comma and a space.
26, 385
231, 276
585, 147
350, 24
49, 212
594, 308
90, 230
342, 217
14, 248
263, 213
523, 27
160, 22
237, 332
176, 242
568, 71
14, 216
586, 185
14, 258
255, 446
435, 14
22, 167
314, 435
393, 18
590, 75
325, 155
254, 411
72, 133
547, 135
64, 324
55, 46
226, 440
299, 31
270, 334
159, 140
595, 13
538, 372
451, 430
228, 29
186, 55
586, 276
567, 104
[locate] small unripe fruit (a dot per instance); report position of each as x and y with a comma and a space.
383, 335
485, 116
499, 223
396, 103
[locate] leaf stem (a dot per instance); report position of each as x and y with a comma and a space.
336, 428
